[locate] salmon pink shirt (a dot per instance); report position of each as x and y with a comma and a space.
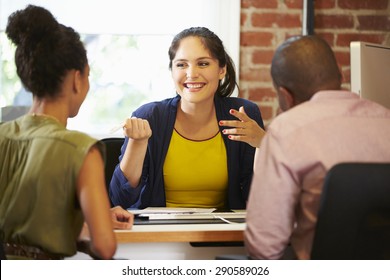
301, 145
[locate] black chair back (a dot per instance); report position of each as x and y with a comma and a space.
113, 151
354, 215
2, 252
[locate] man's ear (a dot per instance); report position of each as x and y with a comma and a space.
286, 99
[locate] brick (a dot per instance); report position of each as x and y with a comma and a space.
262, 94
290, 34
324, 4
243, 18
343, 57
267, 113
262, 56
245, 56
294, 4
363, 4
260, 4
318, 4
276, 20
380, 23
256, 38
328, 37
255, 75
333, 21
344, 40
243, 93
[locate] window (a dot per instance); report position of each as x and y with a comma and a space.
127, 43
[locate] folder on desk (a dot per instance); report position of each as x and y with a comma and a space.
187, 215
195, 216
170, 210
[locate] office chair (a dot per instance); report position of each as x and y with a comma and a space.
354, 214
113, 151
2, 252
9, 113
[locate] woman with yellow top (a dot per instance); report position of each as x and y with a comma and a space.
197, 148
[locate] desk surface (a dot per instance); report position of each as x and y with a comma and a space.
178, 242
182, 233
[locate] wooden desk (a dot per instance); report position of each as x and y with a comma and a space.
178, 242
183, 241
182, 233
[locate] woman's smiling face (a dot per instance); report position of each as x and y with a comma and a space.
195, 73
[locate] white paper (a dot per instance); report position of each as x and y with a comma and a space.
195, 216
170, 210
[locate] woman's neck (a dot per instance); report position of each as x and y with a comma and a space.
53, 109
196, 113
196, 122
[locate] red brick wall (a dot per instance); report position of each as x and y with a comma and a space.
267, 23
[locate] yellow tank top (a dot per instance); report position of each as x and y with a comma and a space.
195, 172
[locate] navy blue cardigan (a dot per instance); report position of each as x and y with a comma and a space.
161, 116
